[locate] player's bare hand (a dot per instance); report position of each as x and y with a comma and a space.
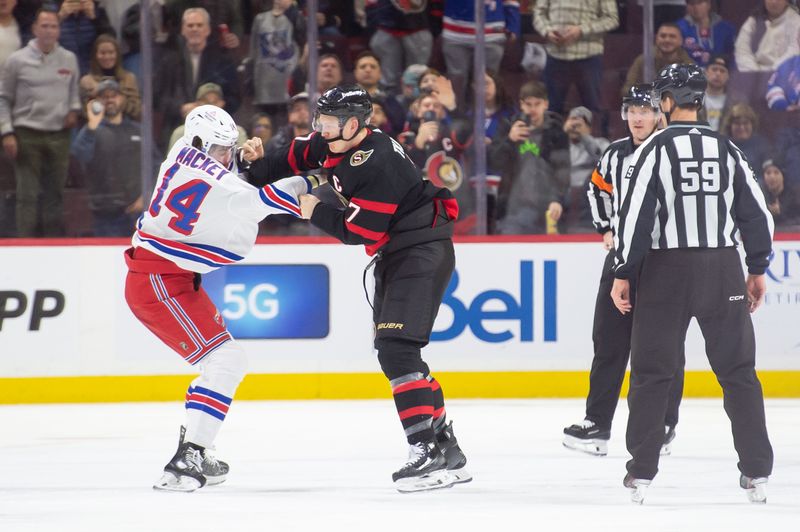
554, 210
307, 205
608, 240
756, 288
253, 149
10, 146
621, 295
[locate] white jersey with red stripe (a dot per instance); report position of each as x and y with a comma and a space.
203, 216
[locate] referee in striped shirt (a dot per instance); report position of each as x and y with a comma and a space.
691, 191
611, 332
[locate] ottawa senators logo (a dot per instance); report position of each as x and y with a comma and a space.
360, 157
444, 171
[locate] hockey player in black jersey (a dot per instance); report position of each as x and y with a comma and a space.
406, 224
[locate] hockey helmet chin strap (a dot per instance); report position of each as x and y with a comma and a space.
361, 126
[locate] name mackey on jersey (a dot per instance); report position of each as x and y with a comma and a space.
203, 216
388, 204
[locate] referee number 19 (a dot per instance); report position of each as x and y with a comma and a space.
697, 175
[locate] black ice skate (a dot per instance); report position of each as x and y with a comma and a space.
638, 487
666, 447
184, 471
426, 469
587, 437
453, 454
215, 471
756, 488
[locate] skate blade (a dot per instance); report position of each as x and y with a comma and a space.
638, 493
460, 476
171, 482
432, 481
757, 494
214, 481
593, 447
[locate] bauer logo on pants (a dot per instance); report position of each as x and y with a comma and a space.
272, 301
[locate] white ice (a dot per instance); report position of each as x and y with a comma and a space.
326, 466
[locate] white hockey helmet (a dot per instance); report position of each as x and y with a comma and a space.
210, 129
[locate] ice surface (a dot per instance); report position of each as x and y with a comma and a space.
326, 466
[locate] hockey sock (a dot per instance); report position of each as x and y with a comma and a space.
439, 413
210, 394
414, 401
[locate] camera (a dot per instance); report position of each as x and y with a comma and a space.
429, 116
522, 117
97, 107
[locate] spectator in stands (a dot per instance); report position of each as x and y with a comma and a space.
783, 89
329, 74
82, 22
277, 44
410, 84
129, 37
767, 37
328, 19
108, 147
497, 105
458, 39
107, 63
10, 38
584, 152
367, 73
225, 19
782, 201
436, 143
705, 33
299, 123
574, 30
39, 104
668, 50
402, 38
379, 118
717, 103
740, 126
195, 62
207, 94
533, 152
261, 126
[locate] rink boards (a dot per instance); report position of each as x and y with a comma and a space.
516, 322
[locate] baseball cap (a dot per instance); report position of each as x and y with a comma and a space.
299, 97
581, 112
720, 60
108, 84
412, 74
205, 88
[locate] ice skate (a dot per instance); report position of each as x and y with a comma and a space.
587, 437
456, 460
215, 471
756, 488
638, 487
184, 471
426, 469
666, 447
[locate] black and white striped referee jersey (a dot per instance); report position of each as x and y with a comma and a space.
691, 187
609, 184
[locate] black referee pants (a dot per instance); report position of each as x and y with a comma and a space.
674, 286
611, 335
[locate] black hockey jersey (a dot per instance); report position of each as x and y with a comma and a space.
388, 205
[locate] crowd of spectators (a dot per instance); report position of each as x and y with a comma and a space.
71, 85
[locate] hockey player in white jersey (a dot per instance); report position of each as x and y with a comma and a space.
202, 216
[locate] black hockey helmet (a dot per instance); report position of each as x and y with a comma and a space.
640, 95
685, 83
345, 101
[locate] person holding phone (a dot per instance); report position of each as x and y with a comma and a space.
532, 153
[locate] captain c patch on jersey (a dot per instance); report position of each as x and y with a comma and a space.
360, 157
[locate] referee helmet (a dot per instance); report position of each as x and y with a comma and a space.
685, 83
